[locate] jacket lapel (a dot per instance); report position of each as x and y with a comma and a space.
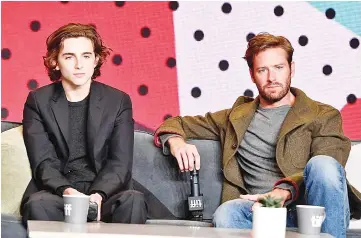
301, 112
241, 117
94, 114
59, 106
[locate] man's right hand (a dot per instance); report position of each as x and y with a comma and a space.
72, 191
186, 154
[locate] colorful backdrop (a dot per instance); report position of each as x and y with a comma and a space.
185, 58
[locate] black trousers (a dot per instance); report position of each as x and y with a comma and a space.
124, 207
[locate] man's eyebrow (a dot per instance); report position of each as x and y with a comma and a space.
262, 67
84, 53
67, 54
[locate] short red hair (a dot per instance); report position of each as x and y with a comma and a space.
264, 41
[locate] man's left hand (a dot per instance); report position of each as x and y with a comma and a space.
276, 193
95, 197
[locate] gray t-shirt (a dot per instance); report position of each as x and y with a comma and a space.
256, 155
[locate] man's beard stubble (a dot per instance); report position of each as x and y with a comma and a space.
272, 98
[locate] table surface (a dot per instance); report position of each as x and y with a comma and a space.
54, 229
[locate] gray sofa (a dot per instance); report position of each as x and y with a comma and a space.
151, 169
157, 173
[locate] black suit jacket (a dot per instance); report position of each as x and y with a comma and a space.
110, 135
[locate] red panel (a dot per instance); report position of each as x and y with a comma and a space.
351, 116
144, 59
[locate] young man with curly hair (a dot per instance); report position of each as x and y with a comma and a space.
79, 134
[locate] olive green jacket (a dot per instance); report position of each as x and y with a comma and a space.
310, 128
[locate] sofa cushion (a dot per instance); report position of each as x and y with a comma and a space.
353, 166
6, 125
160, 175
12, 227
15, 170
354, 176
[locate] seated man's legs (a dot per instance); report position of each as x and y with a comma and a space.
235, 213
238, 213
44, 206
125, 207
325, 184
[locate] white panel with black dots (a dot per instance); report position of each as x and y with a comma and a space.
211, 39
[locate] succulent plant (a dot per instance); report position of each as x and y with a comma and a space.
269, 201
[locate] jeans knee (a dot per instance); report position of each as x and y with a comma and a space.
324, 169
233, 214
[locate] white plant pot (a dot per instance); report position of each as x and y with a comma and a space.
269, 222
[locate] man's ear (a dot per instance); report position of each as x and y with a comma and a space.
96, 61
54, 63
251, 74
293, 68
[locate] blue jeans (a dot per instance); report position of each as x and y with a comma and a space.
325, 185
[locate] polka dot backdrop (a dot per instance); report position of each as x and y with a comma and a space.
185, 58
211, 38
142, 62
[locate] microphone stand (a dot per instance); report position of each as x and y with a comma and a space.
195, 200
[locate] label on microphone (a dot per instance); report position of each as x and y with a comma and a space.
195, 203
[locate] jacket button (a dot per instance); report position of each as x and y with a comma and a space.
234, 146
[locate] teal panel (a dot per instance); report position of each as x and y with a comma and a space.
347, 13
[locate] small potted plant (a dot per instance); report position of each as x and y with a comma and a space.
269, 220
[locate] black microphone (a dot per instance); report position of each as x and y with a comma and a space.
195, 199
92, 211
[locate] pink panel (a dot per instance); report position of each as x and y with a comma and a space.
143, 58
351, 116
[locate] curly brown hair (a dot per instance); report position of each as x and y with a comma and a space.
263, 41
73, 30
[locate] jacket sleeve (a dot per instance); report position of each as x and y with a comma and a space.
117, 169
164, 139
327, 139
206, 127
44, 162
